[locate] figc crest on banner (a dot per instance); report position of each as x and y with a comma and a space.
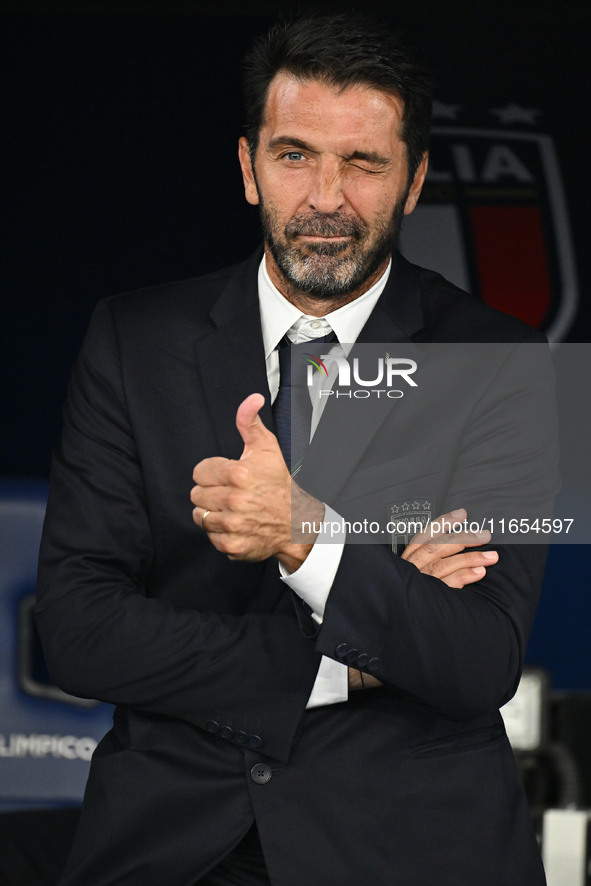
492, 218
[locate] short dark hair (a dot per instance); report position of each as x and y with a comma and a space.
343, 50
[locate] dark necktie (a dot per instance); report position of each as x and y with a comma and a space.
292, 409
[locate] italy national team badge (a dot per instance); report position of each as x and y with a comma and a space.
406, 518
493, 217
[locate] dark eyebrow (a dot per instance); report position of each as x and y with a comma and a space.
286, 141
368, 157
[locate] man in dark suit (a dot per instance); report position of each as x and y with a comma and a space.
240, 752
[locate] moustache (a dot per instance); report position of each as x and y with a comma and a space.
319, 225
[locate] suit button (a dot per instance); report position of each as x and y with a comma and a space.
213, 726
255, 741
227, 732
240, 737
341, 650
351, 656
362, 660
261, 773
372, 665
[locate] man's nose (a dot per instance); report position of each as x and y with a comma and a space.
326, 191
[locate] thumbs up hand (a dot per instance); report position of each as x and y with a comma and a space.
248, 507
256, 437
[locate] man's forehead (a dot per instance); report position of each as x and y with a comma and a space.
302, 101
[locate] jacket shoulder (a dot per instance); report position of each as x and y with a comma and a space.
453, 315
184, 300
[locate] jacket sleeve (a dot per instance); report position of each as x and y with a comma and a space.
460, 652
111, 628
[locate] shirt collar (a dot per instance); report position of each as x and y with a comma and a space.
278, 315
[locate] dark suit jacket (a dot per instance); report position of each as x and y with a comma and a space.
211, 664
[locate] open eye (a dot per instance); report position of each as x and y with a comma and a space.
293, 156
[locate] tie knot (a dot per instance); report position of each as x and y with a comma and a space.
295, 358
309, 329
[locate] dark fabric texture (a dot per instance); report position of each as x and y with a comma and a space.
244, 866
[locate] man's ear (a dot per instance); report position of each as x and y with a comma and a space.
417, 185
250, 188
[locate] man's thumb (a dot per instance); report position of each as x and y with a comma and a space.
250, 425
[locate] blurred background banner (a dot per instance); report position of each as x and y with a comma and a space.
493, 217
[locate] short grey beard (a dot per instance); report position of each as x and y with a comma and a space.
310, 273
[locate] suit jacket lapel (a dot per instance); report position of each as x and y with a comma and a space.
348, 426
230, 356
398, 315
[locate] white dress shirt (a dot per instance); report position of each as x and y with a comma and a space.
313, 580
